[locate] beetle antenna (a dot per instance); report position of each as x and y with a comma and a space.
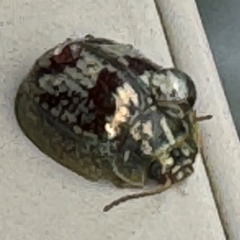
126, 198
202, 118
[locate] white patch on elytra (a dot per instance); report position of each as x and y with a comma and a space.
153, 108
148, 128
145, 77
146, 148
180, 175
188, 170
77, 129
185, 150
127, 95
112, 132
90, 135
170, 82
110, 68
45, 106
46, 81
73, 72
135, 131
176, 169
82, 65
55, 112
126, 156
121, 116
166, 163
123, 97
161, 151
123, 61
91, 65
188, 162
149, 100
167, 131
69, 116
44, 62
62, 88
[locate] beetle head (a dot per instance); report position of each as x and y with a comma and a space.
177, 163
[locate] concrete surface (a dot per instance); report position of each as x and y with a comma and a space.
189, 46
221, 20
42, 200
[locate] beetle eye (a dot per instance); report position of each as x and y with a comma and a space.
176, 153
155, 172
178, 156
191, 101
155, 169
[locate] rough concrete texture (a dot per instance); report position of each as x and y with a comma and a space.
42, 200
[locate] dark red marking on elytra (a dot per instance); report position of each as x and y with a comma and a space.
101, 93
64, 57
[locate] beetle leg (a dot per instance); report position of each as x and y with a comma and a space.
131, 173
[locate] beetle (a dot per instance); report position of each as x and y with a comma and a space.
105, 111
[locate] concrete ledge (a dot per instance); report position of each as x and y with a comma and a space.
192, 54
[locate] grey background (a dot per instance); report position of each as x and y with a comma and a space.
221, 20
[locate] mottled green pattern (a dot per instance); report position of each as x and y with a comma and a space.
61, 145
71, 101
